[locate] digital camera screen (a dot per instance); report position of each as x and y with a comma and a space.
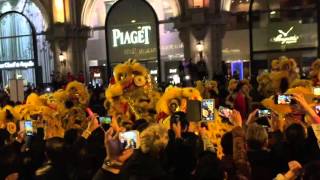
129, 139
105, 120
284, 99
317, 109
225, 112
316, 91
264, 113
28, 127
207, 109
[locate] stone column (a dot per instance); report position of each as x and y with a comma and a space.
215, 60
72, 41
184, 35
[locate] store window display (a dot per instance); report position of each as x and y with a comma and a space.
25, 53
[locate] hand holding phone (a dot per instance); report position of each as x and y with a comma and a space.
105, 122
129, 139
225, 112
90, 112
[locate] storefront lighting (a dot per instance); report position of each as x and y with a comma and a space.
48, 89
176, 79
19, 76
62, 58
171, 71
197, 3
154, 72
58, 11
200, 47
97, 75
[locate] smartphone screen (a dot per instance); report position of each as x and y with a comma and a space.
283, 99
317, 109
225, 112
207, 109
263, 113
316, 91
129, 139
105, 120
28, 127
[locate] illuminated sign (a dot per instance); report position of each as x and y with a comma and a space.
96, 75
285, 37
16, 64
172, 70
132, 32
154, 72
141, 36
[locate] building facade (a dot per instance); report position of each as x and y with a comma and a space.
42, 38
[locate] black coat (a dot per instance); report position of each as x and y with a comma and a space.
142, 166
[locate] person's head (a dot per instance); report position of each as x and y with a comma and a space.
180, 116
9, 161
227, 143
154, 139
295, 133
140, 125
242, 87
71, 135
4, 137
55, 149
256, 136
208, 167
311, 171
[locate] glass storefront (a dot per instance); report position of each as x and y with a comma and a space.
25, 53
283, 28
270, 29
171, 48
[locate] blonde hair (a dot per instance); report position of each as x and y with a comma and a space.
153, 138
256, 133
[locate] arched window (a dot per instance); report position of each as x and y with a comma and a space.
23, 42
171, 47
17, 46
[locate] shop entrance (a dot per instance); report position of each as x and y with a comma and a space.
18, 51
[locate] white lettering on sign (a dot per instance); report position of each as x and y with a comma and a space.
172, 70
134, 37
284, 38
16, 64
154, 72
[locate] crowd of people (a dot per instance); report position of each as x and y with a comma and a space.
280, 145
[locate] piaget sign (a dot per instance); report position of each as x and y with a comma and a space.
16, 64
285, 37
139, 36
132, 33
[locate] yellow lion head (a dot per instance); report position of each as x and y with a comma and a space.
78, 92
